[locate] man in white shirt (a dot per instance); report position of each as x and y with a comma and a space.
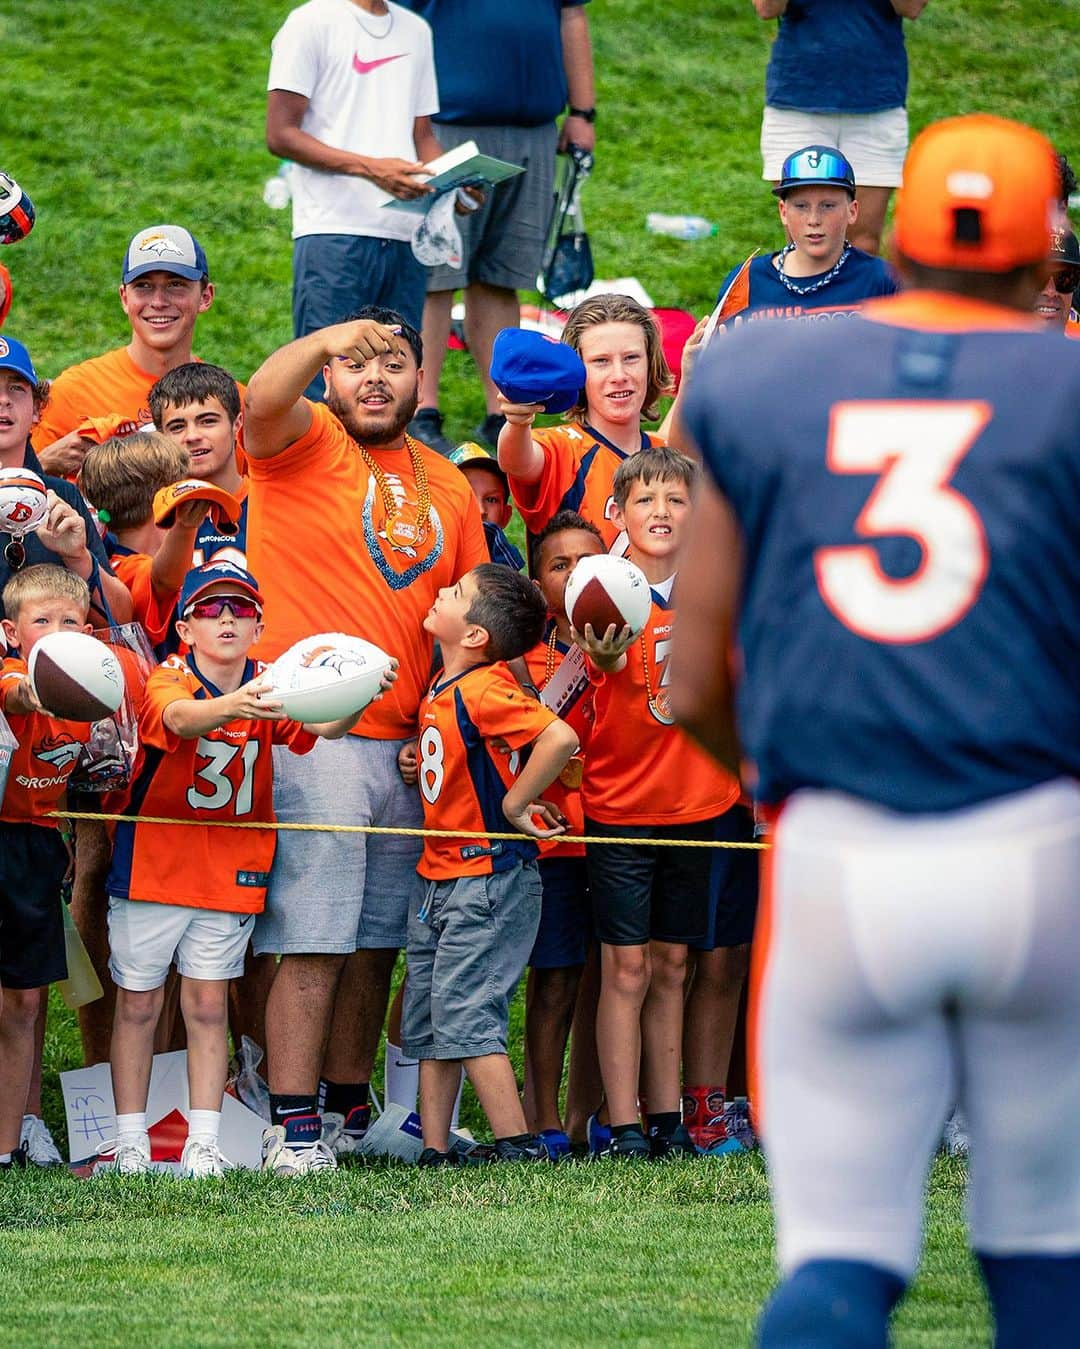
350, 97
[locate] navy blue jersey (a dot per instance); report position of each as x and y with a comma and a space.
213, 546
908, 487
761, 294
842, 56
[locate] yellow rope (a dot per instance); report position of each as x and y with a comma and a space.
414, 833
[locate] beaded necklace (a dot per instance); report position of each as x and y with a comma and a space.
660, 701
795, 289
549, 659
400, 532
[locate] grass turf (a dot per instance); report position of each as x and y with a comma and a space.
114, 121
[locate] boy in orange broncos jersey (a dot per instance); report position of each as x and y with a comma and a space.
33, 859
470, 936
207, 736
645, 778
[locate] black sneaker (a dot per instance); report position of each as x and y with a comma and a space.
426, 426
18, 1162
677, 1144
629, 1146
488, 430
532, 1150
433, 1157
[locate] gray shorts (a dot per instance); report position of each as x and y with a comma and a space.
332, 894
465, 957
503, 242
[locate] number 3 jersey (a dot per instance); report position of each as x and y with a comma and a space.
463, 777
908, 488
642, 769
223, 775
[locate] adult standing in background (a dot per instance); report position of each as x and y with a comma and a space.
543, 58
350, 96
838, 75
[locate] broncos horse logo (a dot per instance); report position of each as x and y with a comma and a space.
59, 751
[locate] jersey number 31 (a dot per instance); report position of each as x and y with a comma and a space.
916, 449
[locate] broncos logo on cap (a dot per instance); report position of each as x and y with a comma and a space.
159, 244
58, 750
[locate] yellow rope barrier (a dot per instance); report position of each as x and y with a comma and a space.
281, 825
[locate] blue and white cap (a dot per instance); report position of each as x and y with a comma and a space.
165, 248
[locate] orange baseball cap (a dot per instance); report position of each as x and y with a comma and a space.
980, 194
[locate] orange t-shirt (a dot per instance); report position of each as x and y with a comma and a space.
1072, 327
575, 706
226, 774
43, 760
316, 541
106, 384
579, 468
641, 768
462, 779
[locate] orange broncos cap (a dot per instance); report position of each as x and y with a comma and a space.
980, 194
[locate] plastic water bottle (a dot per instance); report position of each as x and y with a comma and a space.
680, 226
82, 984
277, 192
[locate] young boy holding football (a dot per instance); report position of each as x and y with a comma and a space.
471, 935
34, 860
207, 736
645, 778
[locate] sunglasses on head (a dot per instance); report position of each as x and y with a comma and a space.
240, 606
1065, 279
15, 554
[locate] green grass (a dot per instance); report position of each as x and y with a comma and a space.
118, 116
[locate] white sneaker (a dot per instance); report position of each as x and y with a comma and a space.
956, 1138
201, 1158
129, 1158
282, 1160
41, 1150
344, 1142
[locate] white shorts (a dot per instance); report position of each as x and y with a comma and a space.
875, 143
145, 939
913, 963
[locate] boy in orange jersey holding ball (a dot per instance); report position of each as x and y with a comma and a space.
34, 861
192, 897
471, 934
645, 778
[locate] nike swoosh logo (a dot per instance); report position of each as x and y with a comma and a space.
366, 67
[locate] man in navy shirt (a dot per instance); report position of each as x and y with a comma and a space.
889, 544
838, 73
505, 71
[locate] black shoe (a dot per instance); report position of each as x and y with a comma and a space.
19, 1160
677, 1144
629, 1146
488, 430
426, 426
433, 1157
531, 1150
470, 1153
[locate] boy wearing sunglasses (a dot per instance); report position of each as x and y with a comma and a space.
192, 895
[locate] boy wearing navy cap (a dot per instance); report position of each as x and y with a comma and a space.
164, 286
207, 730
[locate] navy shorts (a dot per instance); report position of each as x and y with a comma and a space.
641, 893
335, 274
733, 883
33, 863
566, 926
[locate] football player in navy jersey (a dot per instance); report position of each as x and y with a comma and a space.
890, 539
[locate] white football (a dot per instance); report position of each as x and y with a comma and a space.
75, 677
23, 501
327, 676
604, 589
